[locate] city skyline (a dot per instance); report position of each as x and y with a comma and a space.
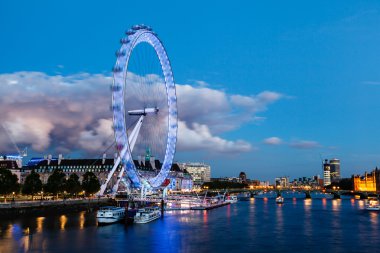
281, 87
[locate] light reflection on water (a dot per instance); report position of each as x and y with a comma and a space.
258, 225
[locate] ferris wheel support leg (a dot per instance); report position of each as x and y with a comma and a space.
135, 133
117, 162
142, 195
119, 177
165, 193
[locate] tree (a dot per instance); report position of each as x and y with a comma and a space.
32, 184
56, 182
90, 183
8, 182
73, 185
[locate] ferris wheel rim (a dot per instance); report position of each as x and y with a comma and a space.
135, 36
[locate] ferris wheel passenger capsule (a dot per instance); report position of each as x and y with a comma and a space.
115, 88
115, 108
124, 40
117, 69
120, 53
130, 32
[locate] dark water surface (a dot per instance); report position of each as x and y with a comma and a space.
258, 225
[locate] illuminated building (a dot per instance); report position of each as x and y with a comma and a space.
14, 164
335, 170
180, 180
326, 173
282, 182
366, 183
146, 165
200, 172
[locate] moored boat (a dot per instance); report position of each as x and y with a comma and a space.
231, 199
279, 200
373, 204
110, 214
147, 214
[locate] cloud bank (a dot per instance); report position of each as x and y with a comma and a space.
55, 113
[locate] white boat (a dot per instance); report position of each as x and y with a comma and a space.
147, 214
279, 200
110, 214
373, 204
231, 199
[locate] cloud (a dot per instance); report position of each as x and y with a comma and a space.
256, 103
272, 141
199, 137
55, 113
96, 139
304, 144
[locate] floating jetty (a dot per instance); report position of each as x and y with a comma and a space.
201, 207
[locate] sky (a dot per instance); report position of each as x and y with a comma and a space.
265, 87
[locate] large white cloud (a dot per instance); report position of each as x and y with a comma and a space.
54, 113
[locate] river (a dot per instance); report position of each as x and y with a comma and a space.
258, 225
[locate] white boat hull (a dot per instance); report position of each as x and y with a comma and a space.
146, 215
109, 215
106, 220
373, 208
142, 221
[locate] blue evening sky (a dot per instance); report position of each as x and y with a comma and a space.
323, 55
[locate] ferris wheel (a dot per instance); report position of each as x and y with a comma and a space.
144, 106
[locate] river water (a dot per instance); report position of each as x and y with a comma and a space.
258, 225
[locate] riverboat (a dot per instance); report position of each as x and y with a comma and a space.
373, 204
279, 200
147, 214
231, 199
110, 214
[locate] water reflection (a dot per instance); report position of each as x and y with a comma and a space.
40, 223
267, 226
62, 221
374, 219
324, 203
336, 203
81, 220
205, 216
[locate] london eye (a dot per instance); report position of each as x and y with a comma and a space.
144, 106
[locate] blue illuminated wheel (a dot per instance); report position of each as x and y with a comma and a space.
150, 110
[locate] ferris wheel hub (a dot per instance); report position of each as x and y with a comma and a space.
144, 111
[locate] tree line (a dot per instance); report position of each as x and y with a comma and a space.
56, 183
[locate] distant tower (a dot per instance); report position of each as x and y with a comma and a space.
326, 173
243, 177
147, 154
335, 170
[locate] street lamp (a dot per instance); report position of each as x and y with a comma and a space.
42, 195
13, 196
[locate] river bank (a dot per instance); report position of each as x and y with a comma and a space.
45, 207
